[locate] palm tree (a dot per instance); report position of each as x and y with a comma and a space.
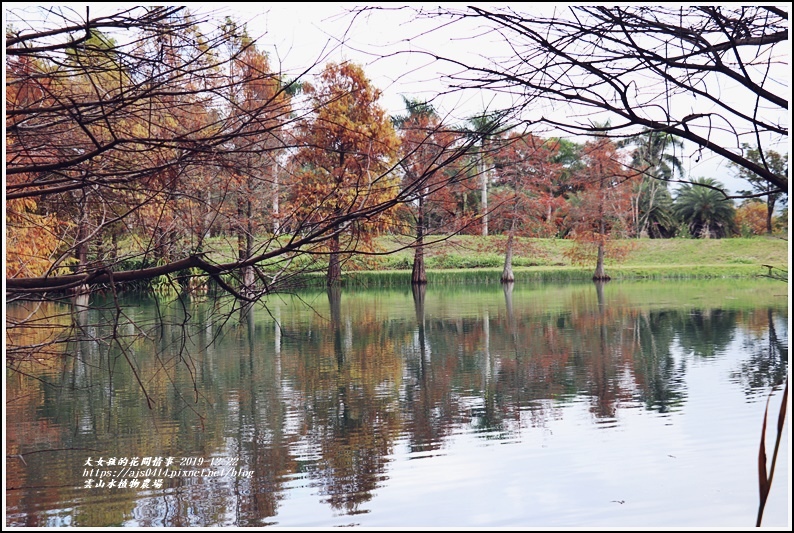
650, 154
652, 213
653, 209
705, 208
484, 128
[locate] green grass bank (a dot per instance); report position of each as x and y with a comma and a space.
475, 259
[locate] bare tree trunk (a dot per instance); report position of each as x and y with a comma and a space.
418, 275
276, 225
484, 177
635, 214
600, 274
249, 229
82, 246
507, 272
241, 255
81, 252
770, 209
245, 243
208, 217
334, 267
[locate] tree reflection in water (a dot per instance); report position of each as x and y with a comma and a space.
332, 391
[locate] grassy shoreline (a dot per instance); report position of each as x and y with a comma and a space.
474, 259
390, 278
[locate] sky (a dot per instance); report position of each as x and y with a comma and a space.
298, 35
301, 33
308, 33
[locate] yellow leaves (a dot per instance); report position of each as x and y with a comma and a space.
349, 149
751, 218
31, 239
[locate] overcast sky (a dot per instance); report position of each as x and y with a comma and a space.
298, 35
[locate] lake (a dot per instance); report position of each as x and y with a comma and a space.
629, 404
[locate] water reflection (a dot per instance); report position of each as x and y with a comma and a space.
322, 392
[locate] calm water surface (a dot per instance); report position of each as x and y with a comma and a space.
624, 405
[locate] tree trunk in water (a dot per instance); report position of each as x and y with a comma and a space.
240, 229
600, 274
419, 292
418, 275
245, 243
248, 281
81, 252
335, 306
599, 271
276, 226
508, 290
599, 285
484, 199
507, 273
334, 267
208, 216
511, 319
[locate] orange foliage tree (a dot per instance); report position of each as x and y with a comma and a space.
31, 235
598, 212
260, 106
136, 136
751, 218
425, 145
525, 201
345, 163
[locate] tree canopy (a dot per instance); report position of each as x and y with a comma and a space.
178, 125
